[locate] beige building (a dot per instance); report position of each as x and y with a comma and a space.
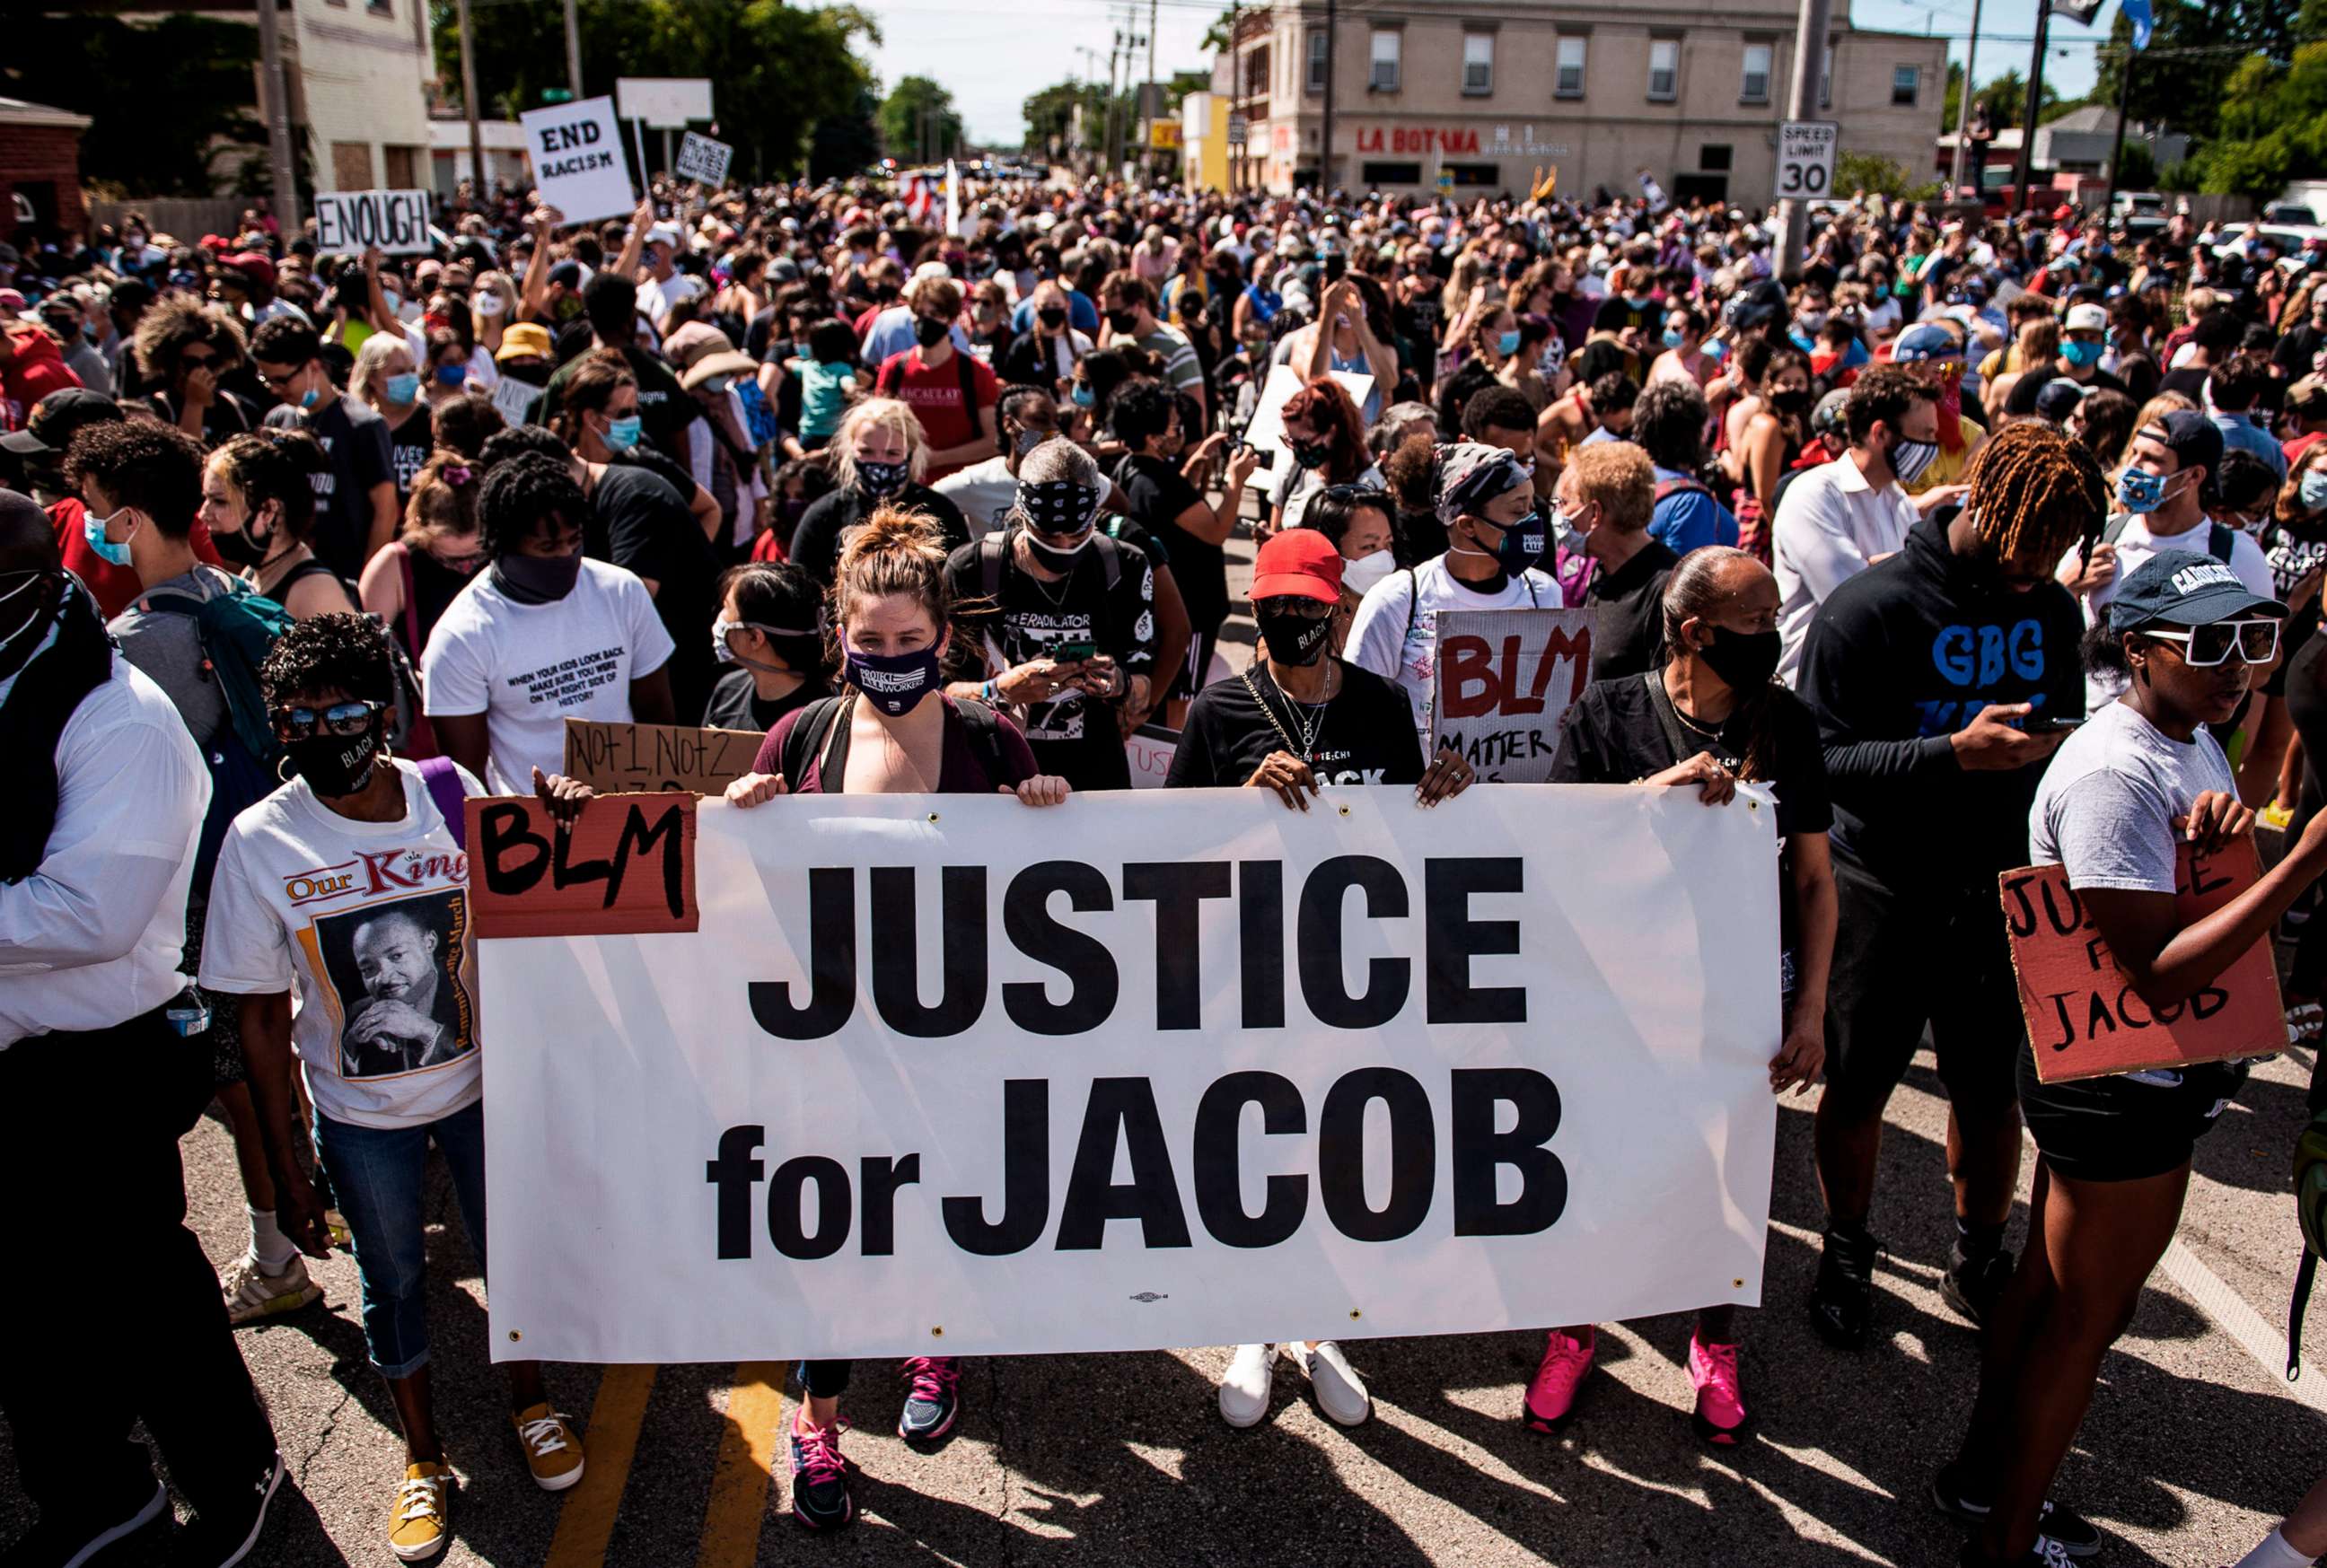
1477, 100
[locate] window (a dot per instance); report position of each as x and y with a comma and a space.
380, 7
1317, 62
1478, 64
1376, 174
1479, 175
1569, 81
1906, 81
1754, 87
1664, 69
1713, 157
403, 166
1255, 73
1383, 78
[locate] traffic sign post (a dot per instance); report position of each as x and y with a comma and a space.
1237, 130
1805, 159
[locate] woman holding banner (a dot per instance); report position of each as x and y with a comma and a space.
2125, 794
882, 736
1710, 717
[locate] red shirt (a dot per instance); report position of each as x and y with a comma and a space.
935, 394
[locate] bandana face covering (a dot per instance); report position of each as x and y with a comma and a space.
1057, 507
883, 478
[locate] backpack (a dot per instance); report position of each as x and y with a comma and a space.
992, 545
811, 735
236, 629
2219, 540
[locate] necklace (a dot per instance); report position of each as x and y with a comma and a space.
1309, 717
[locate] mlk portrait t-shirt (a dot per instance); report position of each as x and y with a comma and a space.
530, 668
366, 925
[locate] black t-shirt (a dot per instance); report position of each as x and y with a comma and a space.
665, 410
640, 523
1154, 494
2190, 381
1366, 735
736, 702
825, 527
1613, 736
226, 416
355, 439
2296, 349
408, 446
2022, 396
1628, 613
1076, 736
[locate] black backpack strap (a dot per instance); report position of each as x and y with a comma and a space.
990, 557
982, 729
2221, 540
1413, 609
1110, 558
2304, 1273
806, 740
2117, 525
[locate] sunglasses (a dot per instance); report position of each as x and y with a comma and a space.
346, 719
282, 383
2203, 646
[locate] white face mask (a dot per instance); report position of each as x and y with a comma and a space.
490, 306
1363, 573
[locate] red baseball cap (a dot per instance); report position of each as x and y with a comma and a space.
1300, 562
253, 266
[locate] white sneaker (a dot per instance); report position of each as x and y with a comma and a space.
1341, 1392
252, 1294
1244, 1386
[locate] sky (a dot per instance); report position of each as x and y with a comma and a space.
993, 56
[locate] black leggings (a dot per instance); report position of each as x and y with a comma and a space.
824, 1379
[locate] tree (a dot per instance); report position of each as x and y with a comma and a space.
2183, 79
917, 121
1873, 171
846, 144
1217, 37
171, 97
2274, 126
777, 71
2138, 170
1954, 100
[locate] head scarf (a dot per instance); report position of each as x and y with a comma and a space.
1058, 506
1471, 473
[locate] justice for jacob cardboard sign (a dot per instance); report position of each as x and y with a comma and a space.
2084, 1017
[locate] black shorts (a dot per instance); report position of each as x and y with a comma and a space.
2128, 1126
1905, 959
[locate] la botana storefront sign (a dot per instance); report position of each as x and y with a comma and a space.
1455, 141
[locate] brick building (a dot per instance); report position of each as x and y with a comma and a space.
1438, 94
40, 167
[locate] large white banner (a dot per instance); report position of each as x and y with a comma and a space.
949, 1074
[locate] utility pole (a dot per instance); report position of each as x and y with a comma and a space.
278, 120
2035, 103
1962, 108
477, 185
1113, 59
1235, 98
1155, 105
1810, 66
572, 49
1325, 133
2116, 153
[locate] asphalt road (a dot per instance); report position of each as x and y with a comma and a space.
2194, 1444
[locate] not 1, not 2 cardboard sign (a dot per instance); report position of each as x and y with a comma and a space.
578, 159
2085, 1020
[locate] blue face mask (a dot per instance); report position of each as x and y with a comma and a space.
1509, 343
622, 434
452, 375
2083, 356
2313, 491
1673, 340
92, 529
310, 398
1082, 395
1717, 350
2139, 492
403, 386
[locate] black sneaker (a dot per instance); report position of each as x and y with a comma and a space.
69, 1542
2046, 1552
933, 1398
2075, 1535
1841, 1299
820, 1498
220, 1537
1971, 1284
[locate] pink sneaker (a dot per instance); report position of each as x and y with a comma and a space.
1552, 1395
1720, 1417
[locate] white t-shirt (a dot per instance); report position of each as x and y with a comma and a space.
2137, 545
1381, 638
530, 668
1294, 486
1830, 525
367, 924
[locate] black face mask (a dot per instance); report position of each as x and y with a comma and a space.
883, 478
538, 579
1292, 638
1052, 316
336, 765
244, 548
1311, 453
1123, 320
1793, 401
1745, 660
928, 330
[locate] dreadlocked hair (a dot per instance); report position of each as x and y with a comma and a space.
2035, 494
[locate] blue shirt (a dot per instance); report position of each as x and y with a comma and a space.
1689, 520
1082, 314
2241, 433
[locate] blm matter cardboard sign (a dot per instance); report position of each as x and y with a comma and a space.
1504, 680
2084, 1017
624, 867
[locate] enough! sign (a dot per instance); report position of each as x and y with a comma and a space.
397, 221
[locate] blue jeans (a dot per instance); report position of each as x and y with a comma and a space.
376, 1175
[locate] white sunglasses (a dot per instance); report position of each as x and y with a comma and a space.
2203, 646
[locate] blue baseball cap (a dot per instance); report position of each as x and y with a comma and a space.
1926, 340
2183, 588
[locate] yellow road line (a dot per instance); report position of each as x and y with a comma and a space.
610, 1442
747, 1450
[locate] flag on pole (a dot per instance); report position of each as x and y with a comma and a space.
2138, 14
919, 194
952, 199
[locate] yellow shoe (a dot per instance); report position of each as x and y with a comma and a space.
552, 1451
422, 1522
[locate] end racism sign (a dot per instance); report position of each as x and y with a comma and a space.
631, 759
1149, 1068
2084, 1017
577, 150
1503, 680
355, 221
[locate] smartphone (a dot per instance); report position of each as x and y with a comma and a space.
1073, 652
1263, 455
2039, 724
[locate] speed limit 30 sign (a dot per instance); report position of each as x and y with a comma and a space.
1805, 159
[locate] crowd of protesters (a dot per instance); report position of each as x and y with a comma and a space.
1976, 541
